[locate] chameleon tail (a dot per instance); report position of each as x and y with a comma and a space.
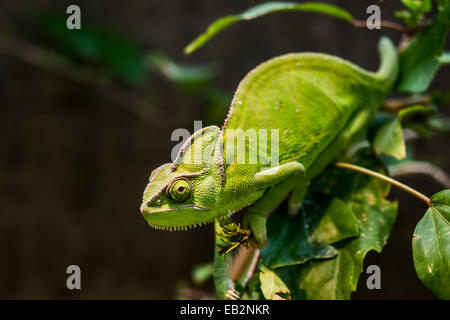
388, 70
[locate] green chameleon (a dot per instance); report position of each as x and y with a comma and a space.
314, 105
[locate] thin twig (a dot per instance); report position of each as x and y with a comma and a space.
59, 65
383, 24
380, 176
396, 104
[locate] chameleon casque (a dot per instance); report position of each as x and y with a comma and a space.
318, 104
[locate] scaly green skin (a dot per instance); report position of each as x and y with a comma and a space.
318, 103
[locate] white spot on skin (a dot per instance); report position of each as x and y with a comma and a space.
297, 110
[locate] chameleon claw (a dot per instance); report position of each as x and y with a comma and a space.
232, 236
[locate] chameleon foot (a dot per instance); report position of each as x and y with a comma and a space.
232, 236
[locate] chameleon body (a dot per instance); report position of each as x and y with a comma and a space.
312, 105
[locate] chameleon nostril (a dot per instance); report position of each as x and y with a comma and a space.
149, 203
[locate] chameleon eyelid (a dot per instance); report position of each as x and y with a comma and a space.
180, 176
175, 180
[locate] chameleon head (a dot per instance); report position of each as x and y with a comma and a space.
183, 194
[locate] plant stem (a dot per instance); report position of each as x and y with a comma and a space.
383, 23
396, 183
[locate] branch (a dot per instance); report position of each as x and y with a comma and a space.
61, 66
396, 104
383, 23
380, 176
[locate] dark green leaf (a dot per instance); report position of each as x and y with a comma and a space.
96, 45
337, 278
431, 246
388, 138
417, 9
290, 276
441, 3
419, 61
294, 240
272, 287
202, 272
261, 10
424, 120
253, 289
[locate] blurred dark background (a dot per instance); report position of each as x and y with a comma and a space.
80, 136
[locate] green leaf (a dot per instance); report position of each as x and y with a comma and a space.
92, 44
414, 112
253, 289
184, 75
290, 276
419, 61
424, 120
444, 58
261, 10
417, 9
442, 3
388, 138
272, 287
202, 272
337, 278
221, 267
294, 240
431, 246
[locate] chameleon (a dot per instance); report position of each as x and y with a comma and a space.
313, 104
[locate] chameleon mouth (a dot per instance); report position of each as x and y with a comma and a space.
156, 211
190, 226
180, 228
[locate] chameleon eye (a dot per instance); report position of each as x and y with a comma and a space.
179, 190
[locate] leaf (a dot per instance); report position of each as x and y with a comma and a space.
202, 273
264, 9
419, 61
441, 3
337, 278
444, 58
417, 9
388, 138
290, 276
431, 246
221, 267
253, 289
272, 287
93, 44
294, 240
184, 75
415, 112
424, 120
